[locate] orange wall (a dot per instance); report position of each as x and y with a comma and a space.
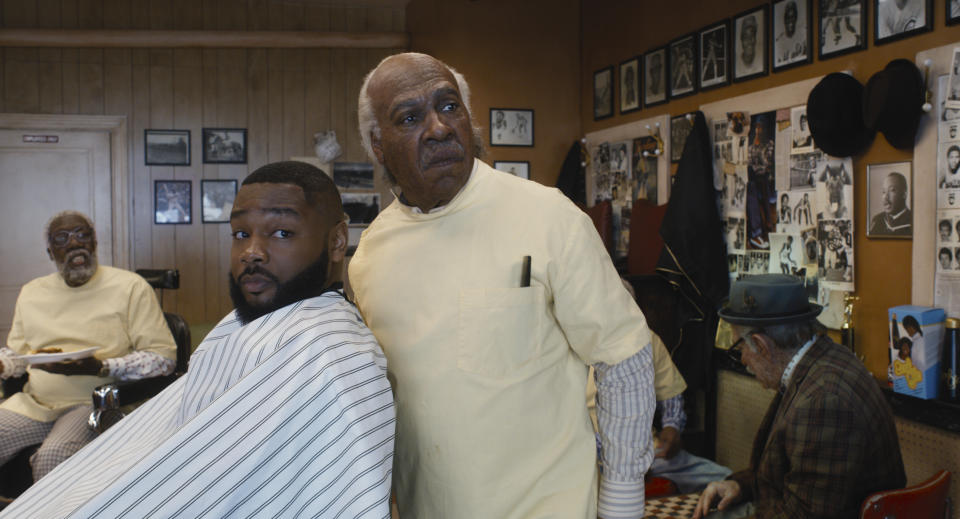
514, 55
616, 30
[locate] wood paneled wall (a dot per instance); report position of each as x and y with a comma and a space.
615, 31
282, 97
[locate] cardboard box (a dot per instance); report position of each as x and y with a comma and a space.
916, 333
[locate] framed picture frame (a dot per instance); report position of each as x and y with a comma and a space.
680, 128
224, 145
603, 93
630, 91
891, 22
361, 208
792, 30
172, 202
750, 44
216, 199
655, 73
713, 68
683, 65
511, 127
889, 200
520, 168
953, 12
842, 27
166, 147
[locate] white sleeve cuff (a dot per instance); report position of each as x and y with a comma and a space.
620, 499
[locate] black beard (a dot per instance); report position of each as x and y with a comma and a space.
310, 282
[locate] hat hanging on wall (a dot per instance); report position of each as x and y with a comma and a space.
835, 116
893, 102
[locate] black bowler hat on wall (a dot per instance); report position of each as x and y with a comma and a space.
767, 300
893, 103
835, 116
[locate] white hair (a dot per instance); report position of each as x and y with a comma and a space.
368, 120
64, 214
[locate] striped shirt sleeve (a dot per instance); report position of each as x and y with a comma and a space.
625, 405
672, 413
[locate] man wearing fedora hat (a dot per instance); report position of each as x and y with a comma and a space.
828, 438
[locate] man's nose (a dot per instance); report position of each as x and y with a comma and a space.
254, 252
437, 127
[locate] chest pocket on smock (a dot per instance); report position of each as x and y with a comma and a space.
498, 333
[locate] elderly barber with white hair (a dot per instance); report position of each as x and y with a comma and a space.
489, 358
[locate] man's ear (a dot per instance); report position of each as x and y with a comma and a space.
337, 242
764, 343
376, 145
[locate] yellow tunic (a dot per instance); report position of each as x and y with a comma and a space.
489, 377
115, 311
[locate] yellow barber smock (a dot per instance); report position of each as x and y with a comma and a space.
115, 311
490, 377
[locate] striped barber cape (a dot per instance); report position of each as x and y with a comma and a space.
290, 415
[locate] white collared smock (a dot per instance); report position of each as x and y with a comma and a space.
489, 376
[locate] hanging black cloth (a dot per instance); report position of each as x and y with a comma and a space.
694, 257
571, 180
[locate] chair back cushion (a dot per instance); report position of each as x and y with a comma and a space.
645, 240
181, 335
602, 216
928, 500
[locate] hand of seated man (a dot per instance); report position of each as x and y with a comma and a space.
87, 366
727, 491
670, 443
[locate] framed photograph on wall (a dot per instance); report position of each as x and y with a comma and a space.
792, 33
953, 12
603, 93
166, 147
683, 66
362, 208
511, 127
889, 205
216, 197
750, 44
171, 201
842, 26
224, 145
714, 65
520, 168
655, 73
680, 128
630, 85
897, 19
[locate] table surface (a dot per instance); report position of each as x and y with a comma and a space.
672, 507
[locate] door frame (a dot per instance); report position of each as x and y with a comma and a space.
116, 126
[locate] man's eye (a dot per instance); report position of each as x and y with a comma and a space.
282, 233
239, 235
449, 107
408, 119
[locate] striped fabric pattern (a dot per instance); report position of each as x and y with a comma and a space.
139, 364
672, 413
288, 416
625, 405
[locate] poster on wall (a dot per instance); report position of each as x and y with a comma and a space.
645, 169
601, 172
761, 182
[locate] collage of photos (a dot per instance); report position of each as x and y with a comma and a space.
787, 206
947, 254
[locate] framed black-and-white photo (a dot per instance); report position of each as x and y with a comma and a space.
714, 69
217, 198
520, 168
630, 85
897, 19
953, 16
225, 145
166, 147
842, 27
680, 128
362, 208
511, 127
792, 33
750, 44
655, 73
353, 175
683, 66
889, 195
603, 93
171, 201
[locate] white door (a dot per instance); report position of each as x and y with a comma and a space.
38, 180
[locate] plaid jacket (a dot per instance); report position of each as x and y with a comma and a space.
826, 443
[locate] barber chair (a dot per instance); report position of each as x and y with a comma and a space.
928, 500
16, 475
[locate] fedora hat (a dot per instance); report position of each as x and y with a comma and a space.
835, 117
893, 103
766, 300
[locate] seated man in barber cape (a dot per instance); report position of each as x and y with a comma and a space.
285, 410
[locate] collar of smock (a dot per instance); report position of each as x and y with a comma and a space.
458, 200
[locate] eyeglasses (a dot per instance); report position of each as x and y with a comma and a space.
82, 234
735, 352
